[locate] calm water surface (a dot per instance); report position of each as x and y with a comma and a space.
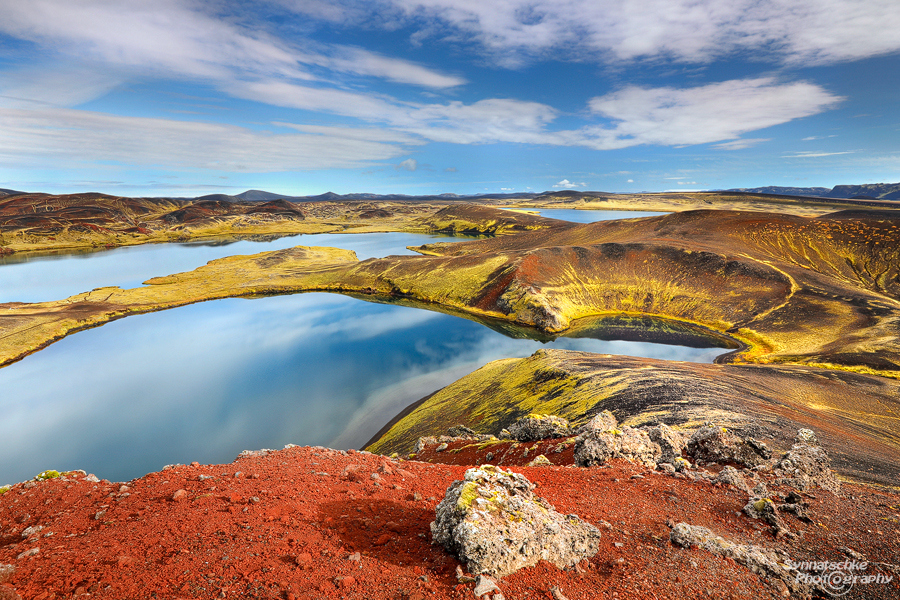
206, 381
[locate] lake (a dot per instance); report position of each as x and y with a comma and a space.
204, 382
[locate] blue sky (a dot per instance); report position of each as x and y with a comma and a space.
183, 98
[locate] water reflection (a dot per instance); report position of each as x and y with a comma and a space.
206, 381
43, 278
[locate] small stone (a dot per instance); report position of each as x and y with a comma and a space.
355, 557
557, 593
441, 448
123, 489
124, 561
485, 585
29, 552
9, 593
179, 495
33, 530
253, 500
99, 515
6, 571
540, 461
345, 581
195, 464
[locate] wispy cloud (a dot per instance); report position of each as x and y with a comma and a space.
410, 164
815, 154
740, 144
44, 137
691, 31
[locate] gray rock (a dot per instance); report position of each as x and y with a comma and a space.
461, 431
731, 476
598, 447
717, 444
761, 561
484, 585
534, 427
807, 465
495, 524
671, 443
765, 509
603, 421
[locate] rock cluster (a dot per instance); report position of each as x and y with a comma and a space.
807, 465
536, 427
759, 560
495, 524
717, 444
635, 445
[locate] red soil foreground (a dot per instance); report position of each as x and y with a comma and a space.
289, 525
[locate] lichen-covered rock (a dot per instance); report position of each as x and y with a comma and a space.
807, 465
534, 427
765, 509
671, 443
540, 461
603, 421
495, 524
598, 447
717, 444
761, 561
461, 431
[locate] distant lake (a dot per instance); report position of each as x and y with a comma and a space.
204, 382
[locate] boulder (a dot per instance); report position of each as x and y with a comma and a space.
598, 447
603, 421
806, 465
671, 443
717, 444
495, 524
534, 427
731, 476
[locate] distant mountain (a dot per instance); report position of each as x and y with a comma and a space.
4, 192
218, 198
869, 191
816, 192
263, 196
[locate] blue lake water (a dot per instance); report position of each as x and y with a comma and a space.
591, 216
204, 382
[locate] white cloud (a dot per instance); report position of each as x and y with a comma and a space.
710, 113
694, 31
112, 42
740, 144
815, 154
410, 164
631, 181
364, 62
30, 138
566, 184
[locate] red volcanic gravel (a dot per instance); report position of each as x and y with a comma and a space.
319, 523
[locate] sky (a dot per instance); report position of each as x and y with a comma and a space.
185, 98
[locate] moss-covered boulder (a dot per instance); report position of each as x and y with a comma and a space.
496, 525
